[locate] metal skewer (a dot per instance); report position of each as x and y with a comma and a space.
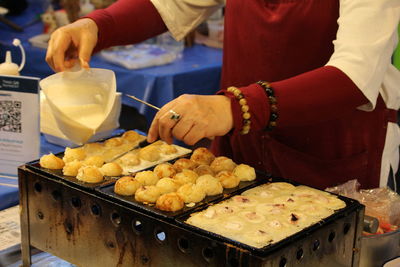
142, 101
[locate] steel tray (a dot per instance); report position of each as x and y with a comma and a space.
351, 206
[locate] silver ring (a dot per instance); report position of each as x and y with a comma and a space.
174, 115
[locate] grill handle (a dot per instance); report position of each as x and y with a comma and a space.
371, 224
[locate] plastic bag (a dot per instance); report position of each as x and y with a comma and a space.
381, 203
162, 50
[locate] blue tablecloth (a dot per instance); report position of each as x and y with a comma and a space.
9, 184
196, 72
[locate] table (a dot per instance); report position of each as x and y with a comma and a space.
198, 71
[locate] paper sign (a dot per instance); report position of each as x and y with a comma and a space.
19, 122
10, 233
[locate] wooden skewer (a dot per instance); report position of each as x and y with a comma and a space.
142, 101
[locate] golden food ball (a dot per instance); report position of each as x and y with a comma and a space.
111, 169
186, 176
168, 149
90, 174
93, 148
148, 194
191, 193
71, 168
245, 172
228, 179
147, 177
97, 161
131, 136
170, 202
71, 154
204, 169
164, 170
210, 185
184, 163
113, 142
130, 159
51, 161
168, 185
150, 153
202, 156
126, 186
222, 164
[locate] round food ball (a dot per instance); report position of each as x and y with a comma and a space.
164, 170
204, 169
167, 185
202, 156
71, 154
131, 136
186, 176
191, 193
147, 177
210, 185
129, 159
71, 168
51, 161
168, 149
89, 174
245, 172
93, 148
111, 169
222, 164
149, 194
97, 161
228, 179
183, 163
150, 153
170, 202
126, 186
113, 142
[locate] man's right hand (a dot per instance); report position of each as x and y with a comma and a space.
71, 43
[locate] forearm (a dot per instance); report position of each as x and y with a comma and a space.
319, 95
127, 22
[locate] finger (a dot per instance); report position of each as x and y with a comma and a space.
49, 55
182, 128
62, 45
85, 51
165, 127
153, 131
49, 59
195, 134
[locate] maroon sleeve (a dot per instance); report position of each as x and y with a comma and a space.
127, 22
319, 95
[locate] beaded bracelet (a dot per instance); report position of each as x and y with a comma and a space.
244, 107
273, 117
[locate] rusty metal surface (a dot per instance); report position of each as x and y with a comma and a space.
89, 230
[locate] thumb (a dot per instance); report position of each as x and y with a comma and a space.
85, 52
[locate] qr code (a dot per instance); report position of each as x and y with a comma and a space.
10, 116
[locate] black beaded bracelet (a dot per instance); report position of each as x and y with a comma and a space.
273, 117
244, 108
